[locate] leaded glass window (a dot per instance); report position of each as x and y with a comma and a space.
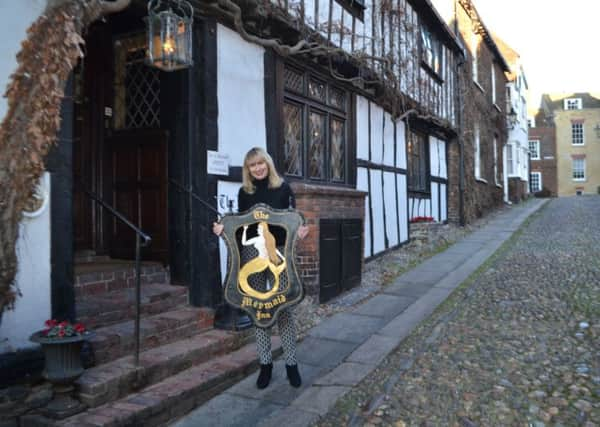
314, 129
316, 90
293, 80
337, 150
137, 86
417, 162
316, 147
292, 133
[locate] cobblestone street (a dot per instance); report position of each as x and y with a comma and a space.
517, 344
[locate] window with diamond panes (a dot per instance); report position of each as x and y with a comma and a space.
418, 164
292, 119
314, 128
137, 86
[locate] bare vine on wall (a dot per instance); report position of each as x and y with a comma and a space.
34, 94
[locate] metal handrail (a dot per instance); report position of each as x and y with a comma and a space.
196, 197
138, 290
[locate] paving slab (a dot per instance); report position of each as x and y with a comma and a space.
290, 417
425, 276
406, 288
229, 410
346, 374
403, 324
348, 327
374, 350
323, 352
385, 306
279, 390
319, 399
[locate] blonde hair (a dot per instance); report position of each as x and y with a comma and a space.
270, 243
247, 181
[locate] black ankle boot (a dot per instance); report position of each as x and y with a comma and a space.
293, 375
264, 377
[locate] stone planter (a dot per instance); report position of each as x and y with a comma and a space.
61, 368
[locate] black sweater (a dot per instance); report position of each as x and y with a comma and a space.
278, 198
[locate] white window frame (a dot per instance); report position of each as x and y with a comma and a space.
493, 83
510, 161
538, 179
534, 149
474, 62
576, 169
577, 134
572, 104
477, 152
497, 182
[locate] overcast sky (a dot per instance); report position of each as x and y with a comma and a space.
559, 41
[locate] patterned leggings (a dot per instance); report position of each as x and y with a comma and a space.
287, 330
285, 319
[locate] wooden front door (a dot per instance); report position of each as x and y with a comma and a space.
138, 178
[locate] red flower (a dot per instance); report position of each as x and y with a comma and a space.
63, 324
79, 328
61, 332
50, 323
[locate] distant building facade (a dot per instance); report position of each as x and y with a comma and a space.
542, 155
516, 160
475, 166
576, 120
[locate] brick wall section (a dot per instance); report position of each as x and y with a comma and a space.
480, 195
316, 203
547, 165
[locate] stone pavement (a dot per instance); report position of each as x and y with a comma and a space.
343, 349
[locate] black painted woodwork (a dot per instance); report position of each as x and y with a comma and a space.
205, 288
138, 179
59, 165
340, 263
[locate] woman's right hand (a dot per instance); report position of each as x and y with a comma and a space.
218, 228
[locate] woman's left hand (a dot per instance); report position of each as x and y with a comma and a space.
302, 231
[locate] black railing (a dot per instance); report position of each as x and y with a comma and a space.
139, 234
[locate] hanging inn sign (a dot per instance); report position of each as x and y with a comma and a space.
261, 274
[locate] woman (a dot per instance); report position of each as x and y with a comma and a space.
262, 184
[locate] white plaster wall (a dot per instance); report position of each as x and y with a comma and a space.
388, 137
444, 202
32, 308
362, 128
241, 95
434, 163
376, 134
363, 185
15, 18
437, 156
377, 203
401, 145
226, 190
435, 188
391, 215
402, 207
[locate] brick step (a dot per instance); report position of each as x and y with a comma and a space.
99, 277
118, 340
173, 397
113, 380
96, 311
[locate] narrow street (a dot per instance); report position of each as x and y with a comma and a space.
516, 344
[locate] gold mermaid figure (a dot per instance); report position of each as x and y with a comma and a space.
268, 257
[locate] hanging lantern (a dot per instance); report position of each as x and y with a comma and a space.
170, 34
